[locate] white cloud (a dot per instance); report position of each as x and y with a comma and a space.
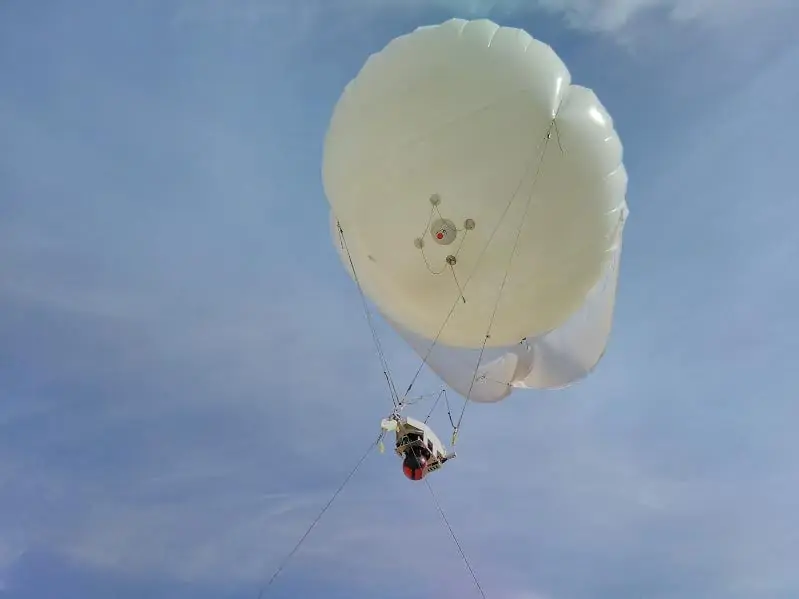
607, 16
616, 15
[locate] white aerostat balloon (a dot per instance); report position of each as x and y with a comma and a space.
482, 198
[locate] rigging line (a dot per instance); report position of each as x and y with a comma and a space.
291, 554
421, 247
383, 362
455, 538
477, 262
416, 400
375, 337
432, 271
429, 221
457, 283
435, 404
449, 410
505, 278
429, 267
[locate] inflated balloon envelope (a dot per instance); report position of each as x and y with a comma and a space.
482, 199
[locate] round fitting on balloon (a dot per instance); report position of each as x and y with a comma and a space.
443, 231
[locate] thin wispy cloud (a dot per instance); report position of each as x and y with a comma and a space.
605, 16
615, 15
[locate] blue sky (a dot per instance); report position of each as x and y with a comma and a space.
177, 337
